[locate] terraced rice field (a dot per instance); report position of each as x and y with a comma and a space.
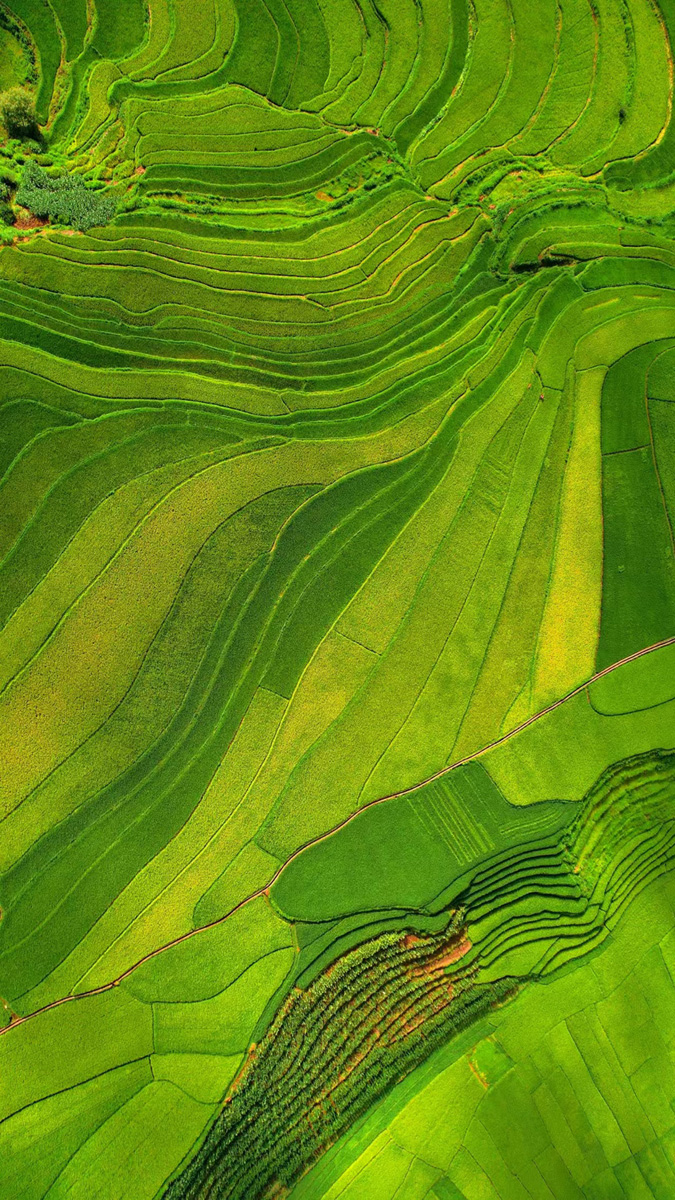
337, 600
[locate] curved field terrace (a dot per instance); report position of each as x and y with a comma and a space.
337, 600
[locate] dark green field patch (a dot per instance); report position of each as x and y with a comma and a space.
642, 683
638, 589
403, 852
625, 422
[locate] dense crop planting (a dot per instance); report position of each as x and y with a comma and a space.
337, 599
339, 1044
63, 198
329, 1052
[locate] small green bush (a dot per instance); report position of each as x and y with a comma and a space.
65, 198
17, 113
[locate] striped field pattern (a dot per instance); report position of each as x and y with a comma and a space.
337, 600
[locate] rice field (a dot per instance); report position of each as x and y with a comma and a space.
337, 600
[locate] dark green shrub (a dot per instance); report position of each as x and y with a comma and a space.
65, 198
17, 113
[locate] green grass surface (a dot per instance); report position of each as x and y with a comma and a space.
407, 850
337, 591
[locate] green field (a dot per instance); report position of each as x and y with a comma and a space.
337, 600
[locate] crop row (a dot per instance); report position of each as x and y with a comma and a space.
370, 1018
331, 1050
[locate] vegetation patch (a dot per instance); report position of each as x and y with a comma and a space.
337, 599
65, 198
17, 113
335, 1047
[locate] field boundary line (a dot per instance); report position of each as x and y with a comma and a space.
264, 891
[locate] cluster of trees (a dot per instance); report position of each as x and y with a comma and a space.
332, 1050
17, 113
6, 210
64, 198
339, 1044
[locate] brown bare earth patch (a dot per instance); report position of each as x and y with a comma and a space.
479, 1075
453, 954
28, 220
448, 955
